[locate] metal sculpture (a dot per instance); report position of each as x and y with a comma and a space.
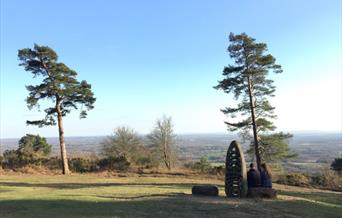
236, 172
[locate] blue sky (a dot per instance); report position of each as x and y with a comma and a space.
149, 58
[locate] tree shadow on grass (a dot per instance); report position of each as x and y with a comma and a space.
164, 206
120, 197
95, 185
157, 207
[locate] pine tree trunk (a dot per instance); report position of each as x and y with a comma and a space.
255, 132
65, 166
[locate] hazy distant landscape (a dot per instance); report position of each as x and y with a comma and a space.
314, 149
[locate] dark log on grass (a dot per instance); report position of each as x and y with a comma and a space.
207, 190
261, 192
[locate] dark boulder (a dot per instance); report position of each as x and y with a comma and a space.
261, 192
207, 190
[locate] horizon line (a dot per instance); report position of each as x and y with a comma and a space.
193, 133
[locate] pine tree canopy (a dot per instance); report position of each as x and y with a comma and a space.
251, 67
247, 79
58, 84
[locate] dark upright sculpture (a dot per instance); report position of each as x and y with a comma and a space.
236, 172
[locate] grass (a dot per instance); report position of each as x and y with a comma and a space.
92, 195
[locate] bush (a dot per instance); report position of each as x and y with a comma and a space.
1, 160
114, 163
295, 179
32, 150
217, 170
11, 159
327, 179
82, 165
124, 142
53, 163
33, 147
148, 162
15, 159
203, 165
336, 165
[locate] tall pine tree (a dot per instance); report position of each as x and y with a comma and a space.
247, 80
58, 85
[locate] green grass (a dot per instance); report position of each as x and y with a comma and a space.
147, 196
328, 198
217, 164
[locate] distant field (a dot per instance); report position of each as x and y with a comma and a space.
315, 150
310, 145
149, 196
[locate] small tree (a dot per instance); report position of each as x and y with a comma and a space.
203, 165
58, 85
247, 80
163, 141
273, 147
33, 147
125, 142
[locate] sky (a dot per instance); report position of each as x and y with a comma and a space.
146, 59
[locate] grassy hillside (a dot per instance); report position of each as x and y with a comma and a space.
165, 195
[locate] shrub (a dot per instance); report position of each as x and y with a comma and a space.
189, 165
15, 159
11, 159
124, 142
1, 160
327, 179
296, 179
148, 162
82, 165
217, 170
32, 150
53, 163
203, 165
114, 163
336, 165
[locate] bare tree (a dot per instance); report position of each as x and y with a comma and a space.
125, 142
162, 141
